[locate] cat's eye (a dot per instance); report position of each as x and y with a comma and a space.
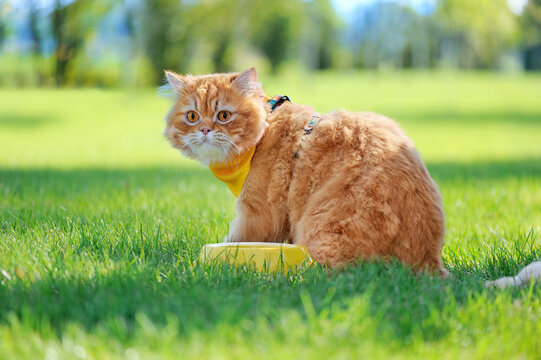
224, 116
192, 117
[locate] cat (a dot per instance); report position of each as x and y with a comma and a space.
348, 186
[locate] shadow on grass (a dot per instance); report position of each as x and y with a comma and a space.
118, 204
81, 181
400, 304
200, 300
465, 118
23, 122
91, 181
448, 172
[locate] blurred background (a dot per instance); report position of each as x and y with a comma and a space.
95, 204
128, 43
78, 78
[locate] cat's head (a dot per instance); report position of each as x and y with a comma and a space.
215, 117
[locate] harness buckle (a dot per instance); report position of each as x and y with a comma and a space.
308, 128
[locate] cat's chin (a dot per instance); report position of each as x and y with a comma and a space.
208, 153
216, 148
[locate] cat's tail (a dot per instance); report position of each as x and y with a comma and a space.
530, 273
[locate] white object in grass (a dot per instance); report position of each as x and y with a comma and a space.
529, 273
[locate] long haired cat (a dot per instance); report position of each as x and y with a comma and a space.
350, 187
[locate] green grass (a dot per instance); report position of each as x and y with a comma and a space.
101, 224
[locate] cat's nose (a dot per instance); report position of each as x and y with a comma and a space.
205, 130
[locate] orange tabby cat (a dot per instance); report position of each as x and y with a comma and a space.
353, 188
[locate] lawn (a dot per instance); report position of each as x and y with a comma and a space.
101, 223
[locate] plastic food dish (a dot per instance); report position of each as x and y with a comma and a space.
264, 257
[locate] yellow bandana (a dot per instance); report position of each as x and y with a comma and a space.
235, 171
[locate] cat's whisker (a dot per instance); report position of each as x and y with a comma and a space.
226, 149
230, 153
222, 136
218, 148
226, 153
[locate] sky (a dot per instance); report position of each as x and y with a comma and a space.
346, 7
517, 6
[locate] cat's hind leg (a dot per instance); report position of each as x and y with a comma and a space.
342, 223
335, 227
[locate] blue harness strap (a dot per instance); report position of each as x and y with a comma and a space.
277, 101
308, 130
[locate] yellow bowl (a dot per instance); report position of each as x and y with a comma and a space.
266, 257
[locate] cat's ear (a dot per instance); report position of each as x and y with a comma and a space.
176, 81
247, 83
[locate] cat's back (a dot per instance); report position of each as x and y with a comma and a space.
353, 137
360, 188
359, 130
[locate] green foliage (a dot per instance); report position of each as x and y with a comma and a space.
323, 17
139, 39
274, 37
3, 27
379, 45
310, 28
532, 23
479, 29
35, 33
101, 223
72, 26
168, 32
219, 24
16, 71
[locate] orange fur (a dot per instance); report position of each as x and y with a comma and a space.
356, 189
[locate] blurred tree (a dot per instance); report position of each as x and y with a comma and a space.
325, 26
274, 28
531, 32
129, 23
72, 24
3, 27
217, 23
42, 71
35, 33
274, 38
531, 23
479, 30
221, 54
421, 37
131, 56
169, 33
149, 36
384, 35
